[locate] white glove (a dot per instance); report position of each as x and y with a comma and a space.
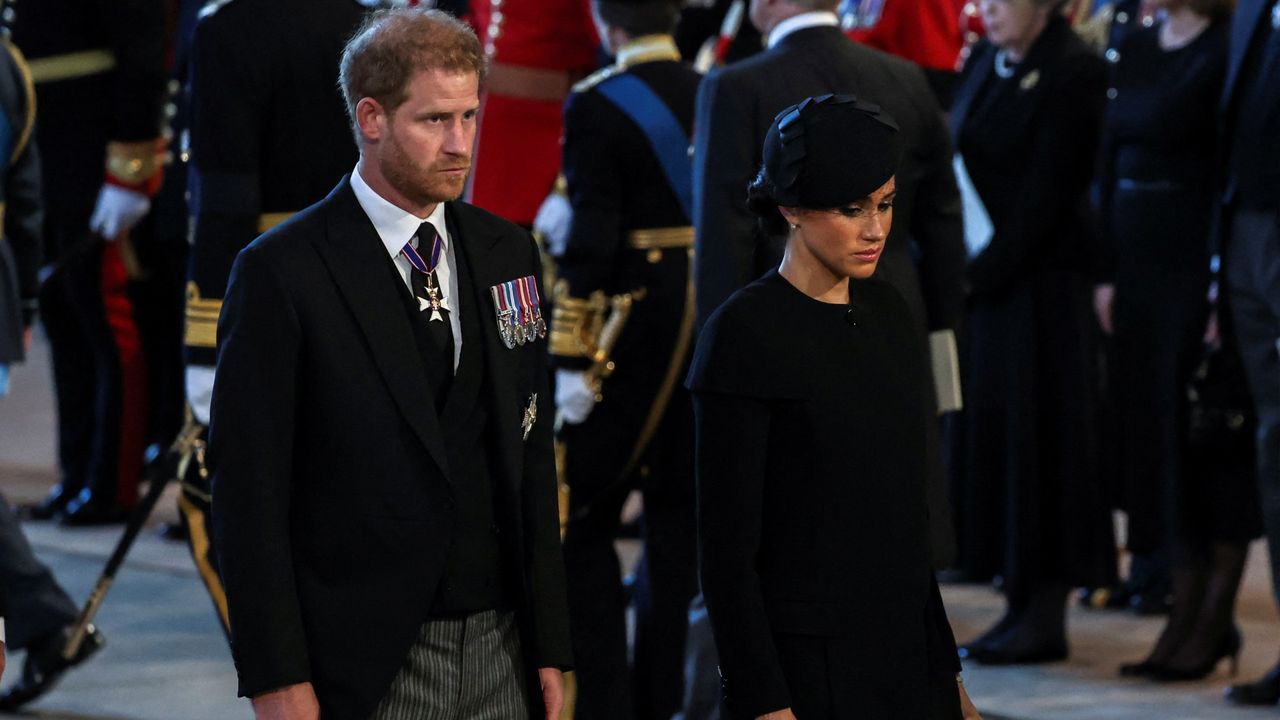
574, 399
552, 221
117, 211
200, 391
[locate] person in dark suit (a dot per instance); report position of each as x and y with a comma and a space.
1249, 242
629, 187
254, 161
38, 610
99, 77
1027, 120
792, 533
384, 493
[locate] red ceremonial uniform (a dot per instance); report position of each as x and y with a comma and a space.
538, 49
926, 32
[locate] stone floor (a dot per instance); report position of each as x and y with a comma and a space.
166, 658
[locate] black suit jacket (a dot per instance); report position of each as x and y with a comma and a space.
1259, 163
1030, 144
332, 497
735, 108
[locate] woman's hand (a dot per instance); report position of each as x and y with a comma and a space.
967, 708
1104, 299
784, 714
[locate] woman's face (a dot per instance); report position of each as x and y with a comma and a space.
1013, 23
847, 240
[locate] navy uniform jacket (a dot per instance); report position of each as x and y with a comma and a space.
98, 68
269, 133
616, 186
19, 204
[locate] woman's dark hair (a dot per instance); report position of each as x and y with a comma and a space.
764, 205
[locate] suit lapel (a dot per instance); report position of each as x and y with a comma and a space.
500, 362
968, 92
358, 263
1243, 27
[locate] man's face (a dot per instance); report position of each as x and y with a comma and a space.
425, 146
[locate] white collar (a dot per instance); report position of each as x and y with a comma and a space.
816, 18
395, 226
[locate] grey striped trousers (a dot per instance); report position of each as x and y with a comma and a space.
461, 669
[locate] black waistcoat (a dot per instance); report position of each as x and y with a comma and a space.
473, 576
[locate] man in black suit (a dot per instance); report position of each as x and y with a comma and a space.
1250, 239
383, 475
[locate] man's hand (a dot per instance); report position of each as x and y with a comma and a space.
574, 399
117, 211
967, 708
552, 691
293, 702
784, 714
1104, 301
1, 658
27, 335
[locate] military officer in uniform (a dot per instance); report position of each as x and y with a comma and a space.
620, 341
37, 608
99, 79
269, 136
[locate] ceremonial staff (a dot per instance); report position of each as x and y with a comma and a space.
173, 464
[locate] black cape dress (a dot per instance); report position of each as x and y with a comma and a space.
811, 429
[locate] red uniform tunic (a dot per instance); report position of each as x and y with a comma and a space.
926, 32
538, 49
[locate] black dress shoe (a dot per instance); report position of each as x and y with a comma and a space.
1263, 691
1006, 655
45, 666
52, 506
86, 509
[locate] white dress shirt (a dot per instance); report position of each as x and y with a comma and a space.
817, 18
396, 227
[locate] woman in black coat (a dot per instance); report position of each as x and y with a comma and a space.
1158, 200
812, 403
1026, 121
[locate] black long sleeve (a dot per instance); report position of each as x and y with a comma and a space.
732, 437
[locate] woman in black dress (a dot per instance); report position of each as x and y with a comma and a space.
1027, 119
1157, 204
812, 404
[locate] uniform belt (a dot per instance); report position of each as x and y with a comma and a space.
528, 83
71, 65
661, 238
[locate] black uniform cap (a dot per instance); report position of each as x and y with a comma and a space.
829, 151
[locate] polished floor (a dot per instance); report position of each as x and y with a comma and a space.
166, 658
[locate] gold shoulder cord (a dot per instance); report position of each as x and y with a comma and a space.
29, 90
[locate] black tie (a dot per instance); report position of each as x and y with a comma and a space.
432, 316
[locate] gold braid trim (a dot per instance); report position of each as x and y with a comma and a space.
661, 238
202, 319
29, 90
69, 66
576, 323
135, 162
